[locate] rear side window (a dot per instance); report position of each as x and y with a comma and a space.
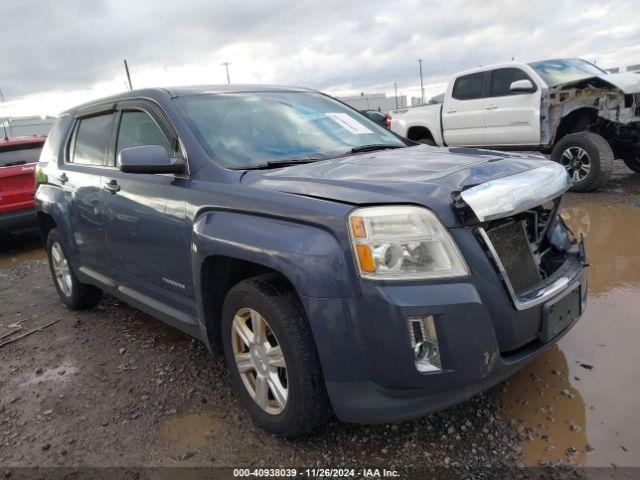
138, 128
468, 87
502, 78
20, 155
91, 140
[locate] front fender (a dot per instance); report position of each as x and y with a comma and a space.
51, 200
309, 257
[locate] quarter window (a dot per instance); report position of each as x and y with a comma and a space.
502, 78
468, 87
137, 129
91, 140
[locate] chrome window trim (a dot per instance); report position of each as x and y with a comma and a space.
536, 297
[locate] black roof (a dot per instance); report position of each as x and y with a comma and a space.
174, 92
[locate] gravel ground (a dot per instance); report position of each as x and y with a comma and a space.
114, 379
115, 387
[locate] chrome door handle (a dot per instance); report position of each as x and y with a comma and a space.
62, 178
112, 187
492, 107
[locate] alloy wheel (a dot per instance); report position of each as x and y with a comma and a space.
259, 359
61, 269
577, 162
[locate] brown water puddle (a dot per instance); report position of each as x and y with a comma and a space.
198, 438
8, 260
581, 398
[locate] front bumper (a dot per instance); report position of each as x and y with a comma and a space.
365, 351
18, 220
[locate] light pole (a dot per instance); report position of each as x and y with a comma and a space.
421, 82
395, 87
226, 66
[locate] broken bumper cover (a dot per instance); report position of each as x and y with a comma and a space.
369, 366
368, 402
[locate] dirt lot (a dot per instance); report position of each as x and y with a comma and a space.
114, 387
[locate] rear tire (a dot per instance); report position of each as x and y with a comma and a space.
74, 294
588, 158
296, 377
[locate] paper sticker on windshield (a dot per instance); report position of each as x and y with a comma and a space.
348, 123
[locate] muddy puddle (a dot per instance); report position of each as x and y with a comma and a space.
197, 438
580, 400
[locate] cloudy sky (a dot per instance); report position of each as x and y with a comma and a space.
54, 54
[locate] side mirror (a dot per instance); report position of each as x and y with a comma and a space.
522, 86
148, 159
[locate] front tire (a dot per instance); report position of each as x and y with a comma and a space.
588, 159
74, 294
272, 358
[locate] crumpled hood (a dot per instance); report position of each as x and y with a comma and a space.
419, 175
627, 82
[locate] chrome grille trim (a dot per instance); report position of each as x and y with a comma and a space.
517, 193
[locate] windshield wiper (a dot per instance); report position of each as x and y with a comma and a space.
284, 163
374, 147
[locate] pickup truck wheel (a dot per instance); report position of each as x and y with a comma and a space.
587, 157
272, 358
74, 294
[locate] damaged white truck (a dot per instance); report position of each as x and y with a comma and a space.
581, 115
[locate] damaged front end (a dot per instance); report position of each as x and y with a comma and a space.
615, 109
516, 220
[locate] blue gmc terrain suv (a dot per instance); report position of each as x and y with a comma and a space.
340, 268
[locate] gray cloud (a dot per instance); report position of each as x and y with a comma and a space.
330, 45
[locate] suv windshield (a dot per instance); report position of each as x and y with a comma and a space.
556, 72
255, 129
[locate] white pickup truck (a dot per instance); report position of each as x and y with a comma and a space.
570, 108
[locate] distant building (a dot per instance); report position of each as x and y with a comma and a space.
634, 68
26, 126
374, 101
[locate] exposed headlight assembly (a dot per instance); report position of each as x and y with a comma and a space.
403, 242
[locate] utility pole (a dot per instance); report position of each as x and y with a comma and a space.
421, 82
226, 66
4, 126
126, 69
395, 87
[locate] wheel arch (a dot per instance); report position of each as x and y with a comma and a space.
52, 211
420, 132
578, 120
230, 247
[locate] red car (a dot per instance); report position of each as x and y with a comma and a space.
18, 157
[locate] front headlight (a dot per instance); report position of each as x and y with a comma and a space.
403, 242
